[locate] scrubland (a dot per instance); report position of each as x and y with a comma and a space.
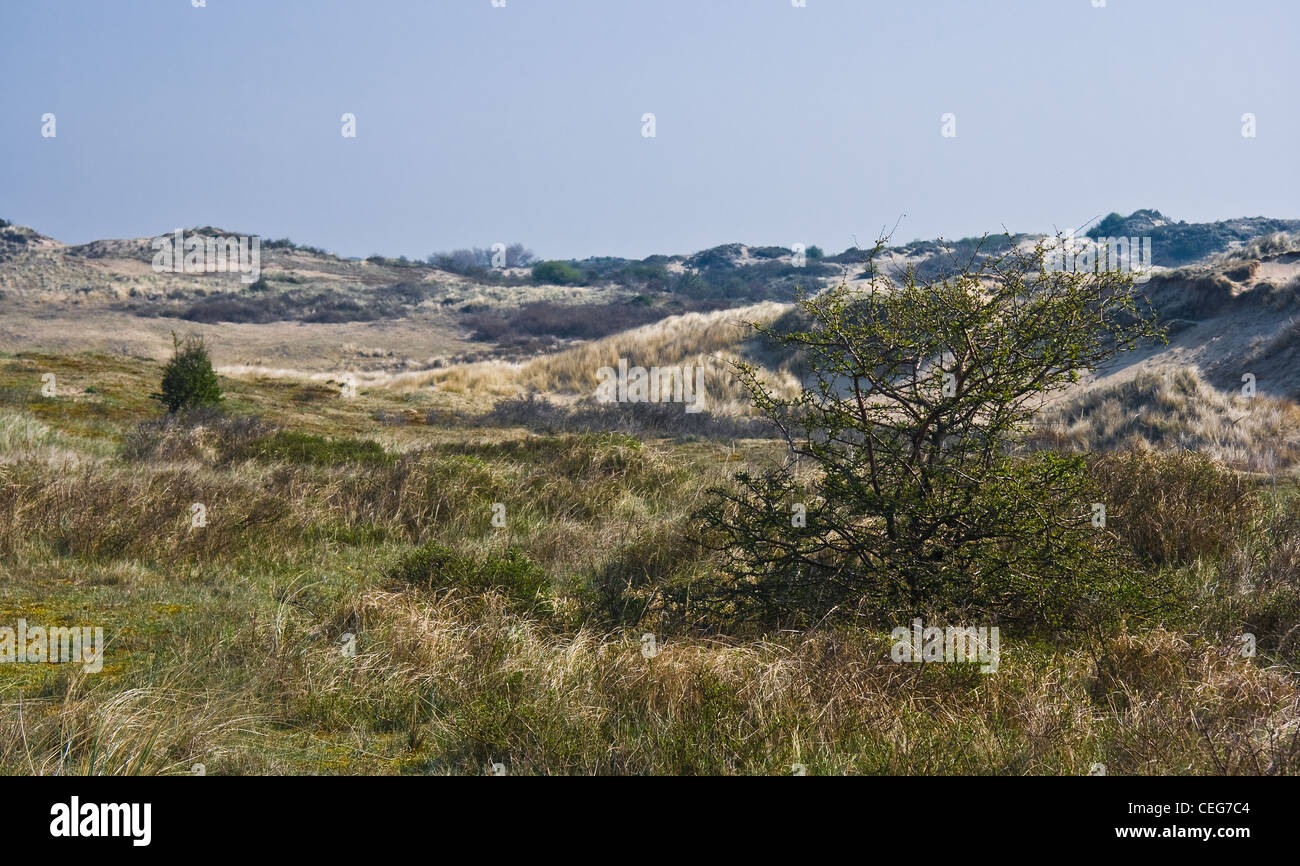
351, 606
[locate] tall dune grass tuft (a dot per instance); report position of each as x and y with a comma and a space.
1178, 411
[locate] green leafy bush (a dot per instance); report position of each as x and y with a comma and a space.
902, 494
558, 273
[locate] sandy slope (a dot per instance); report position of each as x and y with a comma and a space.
1227, 317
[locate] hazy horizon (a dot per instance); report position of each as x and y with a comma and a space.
774, 124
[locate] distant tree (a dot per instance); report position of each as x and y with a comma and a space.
518, 256
462, 260
188, 379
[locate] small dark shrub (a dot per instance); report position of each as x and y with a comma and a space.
558, 273
188, 380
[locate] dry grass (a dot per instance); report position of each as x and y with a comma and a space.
226, 643
1178, 411
24, 438
136, 731
1173, 508
452, 684
1262, 247
710, 340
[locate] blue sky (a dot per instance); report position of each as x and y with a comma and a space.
774, 124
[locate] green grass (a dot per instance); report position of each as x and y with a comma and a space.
291, 447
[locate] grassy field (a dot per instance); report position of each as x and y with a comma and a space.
387, 585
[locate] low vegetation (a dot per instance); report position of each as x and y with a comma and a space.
539, 325
462, 589
480, 563
1176, 411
